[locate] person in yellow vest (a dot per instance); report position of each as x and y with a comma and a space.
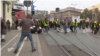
39, 23
75, 26
45, 23
57, 25
71, 26
83, 26
97, 28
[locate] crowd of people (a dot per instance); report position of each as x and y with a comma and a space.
73, 25
45, 24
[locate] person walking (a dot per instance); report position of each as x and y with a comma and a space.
65, 25
3, 30
75, 26
92, 26
8, 25
71, 27
45, 23
26, 32
97, 28
83, 26
16, 22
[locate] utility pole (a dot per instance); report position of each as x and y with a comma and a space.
27, 7
32, 4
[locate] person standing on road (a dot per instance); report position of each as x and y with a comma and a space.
97, 28
83, 26
65, 25
92, 26
72, 24
75, 26
26, 32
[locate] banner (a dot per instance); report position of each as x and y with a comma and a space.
51, 19
77, 18
19, 15
18, 6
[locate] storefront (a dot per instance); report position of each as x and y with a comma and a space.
18, 11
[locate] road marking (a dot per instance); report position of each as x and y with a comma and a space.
20, 48
9, 49
9, 41
39, 47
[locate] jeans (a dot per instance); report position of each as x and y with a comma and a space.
75, 28
23, 35
65, 29
46, 30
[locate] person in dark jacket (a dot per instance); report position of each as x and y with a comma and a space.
26, 32
16, 22
97, 28
3, 30
8, 25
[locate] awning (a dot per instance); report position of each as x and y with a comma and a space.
7, 2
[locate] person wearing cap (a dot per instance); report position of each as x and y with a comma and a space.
26, 32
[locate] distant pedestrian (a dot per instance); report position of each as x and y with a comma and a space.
26, 32
16, 22
71, 25
83, 26
8, 25
65, 25
75, 26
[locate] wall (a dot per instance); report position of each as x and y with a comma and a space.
9, 14
1, 9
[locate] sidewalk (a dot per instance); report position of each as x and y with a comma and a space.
25, 48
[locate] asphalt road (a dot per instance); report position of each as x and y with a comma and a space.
77, 44
53, 44
12, 38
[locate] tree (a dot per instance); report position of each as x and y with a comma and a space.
84, 14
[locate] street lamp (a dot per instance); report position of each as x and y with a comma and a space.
74, 8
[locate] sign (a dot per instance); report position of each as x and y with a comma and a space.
27, 3
51, 19
32, 7
19, 15
77, 18
18, 6
87, 20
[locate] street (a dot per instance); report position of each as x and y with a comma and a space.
53, 44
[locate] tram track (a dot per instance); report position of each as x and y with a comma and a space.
61, 47
77, 46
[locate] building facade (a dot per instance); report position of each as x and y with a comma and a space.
38, 14
66, 13
6, 10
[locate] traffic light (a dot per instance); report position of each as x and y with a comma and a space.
57, 9
33, 12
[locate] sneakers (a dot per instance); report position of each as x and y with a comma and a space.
3, 40
33, 50
16, 51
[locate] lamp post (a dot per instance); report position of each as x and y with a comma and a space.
74, 7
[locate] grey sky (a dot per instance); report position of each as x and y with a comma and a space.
50, 5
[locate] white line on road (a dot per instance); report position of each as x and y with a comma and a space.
20, 48
39, 47
9, 41
9, 49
